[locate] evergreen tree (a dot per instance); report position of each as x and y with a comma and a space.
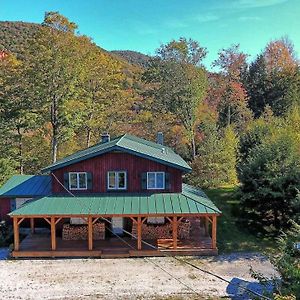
270, 180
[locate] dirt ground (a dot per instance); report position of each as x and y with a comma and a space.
130, 278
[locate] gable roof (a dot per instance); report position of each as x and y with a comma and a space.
130, 144
26, 186
189, 201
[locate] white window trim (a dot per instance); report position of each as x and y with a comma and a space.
156, 188
77, 179
116, 188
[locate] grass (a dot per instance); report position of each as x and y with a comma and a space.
230, 236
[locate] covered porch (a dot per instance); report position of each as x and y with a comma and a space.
192, 206
46, 243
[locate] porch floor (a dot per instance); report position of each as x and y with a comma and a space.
39, 245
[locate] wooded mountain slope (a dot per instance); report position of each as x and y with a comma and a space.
133, 57
15, 37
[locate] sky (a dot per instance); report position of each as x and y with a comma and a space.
143, 25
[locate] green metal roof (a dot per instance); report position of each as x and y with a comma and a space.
26, 186
188, 202
130, 144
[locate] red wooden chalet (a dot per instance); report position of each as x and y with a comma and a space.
119, 198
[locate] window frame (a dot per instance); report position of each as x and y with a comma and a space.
117, 188
78, 188
164, 180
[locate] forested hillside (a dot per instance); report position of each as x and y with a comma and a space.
59, 91
15, 36
133, 57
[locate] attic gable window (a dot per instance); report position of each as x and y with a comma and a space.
155, 180
78, 181
117, 180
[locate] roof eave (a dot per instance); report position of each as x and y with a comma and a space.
22, 196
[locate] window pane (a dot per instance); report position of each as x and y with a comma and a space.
121, 178
73, 181
82, 180
111, 180
151, 180
159, 180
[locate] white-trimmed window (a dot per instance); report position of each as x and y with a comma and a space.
155, 180
78, 181
116, 180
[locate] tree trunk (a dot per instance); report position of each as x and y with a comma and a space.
88, 137
228, 116
54, 145
54, 123
20, 146
89, 131
193, 146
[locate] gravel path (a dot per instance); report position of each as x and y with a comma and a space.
128, 278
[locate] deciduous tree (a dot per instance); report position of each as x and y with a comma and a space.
179, 82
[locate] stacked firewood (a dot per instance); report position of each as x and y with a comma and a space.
80, 232
164, 231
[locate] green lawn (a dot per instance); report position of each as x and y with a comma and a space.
230, 236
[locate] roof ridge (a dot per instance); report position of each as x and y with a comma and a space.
147, 142
120, 138
128, 143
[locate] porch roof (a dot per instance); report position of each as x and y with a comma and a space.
190, 201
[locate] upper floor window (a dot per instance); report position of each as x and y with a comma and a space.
117, 180
155, 180
78, 181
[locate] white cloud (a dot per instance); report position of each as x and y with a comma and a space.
249, 18
256, 3
206, 18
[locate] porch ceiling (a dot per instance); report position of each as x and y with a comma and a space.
190, 201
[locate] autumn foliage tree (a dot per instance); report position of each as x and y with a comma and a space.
233, 99
178, 83
273, 79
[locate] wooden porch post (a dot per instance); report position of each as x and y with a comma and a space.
174, 229
53, 234
139, 232
90, 233
214, 232
16, 234
206, 225
32, 225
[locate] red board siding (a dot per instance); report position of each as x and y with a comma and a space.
4, 208
134, 165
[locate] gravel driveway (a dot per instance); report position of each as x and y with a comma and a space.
129, 278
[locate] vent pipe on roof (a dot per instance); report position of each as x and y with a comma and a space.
160, 138
105, 137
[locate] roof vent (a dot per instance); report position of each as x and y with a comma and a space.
105, 137
163, 150
160, 138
